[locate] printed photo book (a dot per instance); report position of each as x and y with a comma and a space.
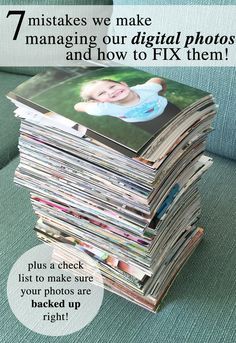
112, 157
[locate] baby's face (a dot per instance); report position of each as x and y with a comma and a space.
108, 91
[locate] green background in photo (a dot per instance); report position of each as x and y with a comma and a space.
58, 90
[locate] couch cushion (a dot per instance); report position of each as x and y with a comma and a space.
200, 305
9, 125
23, 70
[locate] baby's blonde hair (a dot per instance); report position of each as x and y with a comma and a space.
84, 89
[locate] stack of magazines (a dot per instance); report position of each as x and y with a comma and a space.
112, 156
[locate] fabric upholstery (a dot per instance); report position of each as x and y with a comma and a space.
200, 306
9, 125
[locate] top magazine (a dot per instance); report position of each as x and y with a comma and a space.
120, 107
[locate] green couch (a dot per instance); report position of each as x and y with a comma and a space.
200, 306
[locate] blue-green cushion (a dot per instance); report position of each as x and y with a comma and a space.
200, 307
9, 125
